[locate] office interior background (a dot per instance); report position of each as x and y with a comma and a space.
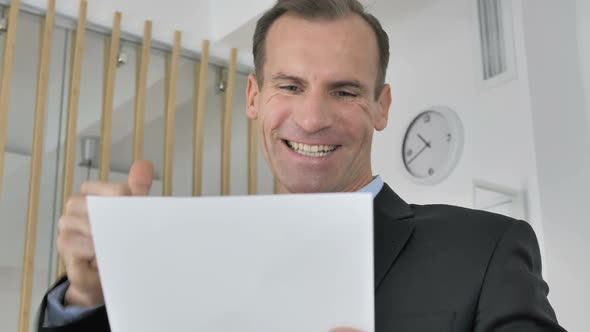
514, 74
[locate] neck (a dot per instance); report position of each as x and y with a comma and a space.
353, 187
356, 186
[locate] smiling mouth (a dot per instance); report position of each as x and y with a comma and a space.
307, 150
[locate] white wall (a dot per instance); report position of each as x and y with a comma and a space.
562, 144
230, 15
530, 133
433, 62
583, 31
191, 17
194, 18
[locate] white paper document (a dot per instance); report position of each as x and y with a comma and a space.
282, 263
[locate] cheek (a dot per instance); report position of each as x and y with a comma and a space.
360, 121
275, 111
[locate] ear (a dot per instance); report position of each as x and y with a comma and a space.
252, 93
384, 103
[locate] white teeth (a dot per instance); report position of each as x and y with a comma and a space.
311, 150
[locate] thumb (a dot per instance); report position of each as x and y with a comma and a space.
141, 175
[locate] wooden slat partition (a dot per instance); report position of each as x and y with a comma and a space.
171, 77
36, 169
252, 157
140, 95
227, 122
107, 103
7, 61
201, 71
73, 105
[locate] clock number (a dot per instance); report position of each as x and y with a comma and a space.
427, 118
449, 137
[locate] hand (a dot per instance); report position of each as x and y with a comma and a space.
74, 240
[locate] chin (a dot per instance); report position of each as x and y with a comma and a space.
306, 186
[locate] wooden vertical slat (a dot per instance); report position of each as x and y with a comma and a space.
73, 105
35, 171
252, 157
198, 118
7, 60
172, 74
141, 86
107, 103
105, 68
227, 122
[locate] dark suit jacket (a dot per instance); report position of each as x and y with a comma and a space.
441, 268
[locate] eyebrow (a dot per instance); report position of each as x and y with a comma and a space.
348, 84
332, 85
285, 77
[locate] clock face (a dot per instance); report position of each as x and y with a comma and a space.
432, 145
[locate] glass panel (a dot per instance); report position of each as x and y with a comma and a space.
14, 199
239, 139
153, 138
212, 135
183, 140
124, 112
90, 109
124, 115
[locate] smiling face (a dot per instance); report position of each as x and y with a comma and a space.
316, 109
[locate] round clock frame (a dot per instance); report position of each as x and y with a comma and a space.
447, 157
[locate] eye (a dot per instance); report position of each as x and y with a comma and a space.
344, 94
290, 88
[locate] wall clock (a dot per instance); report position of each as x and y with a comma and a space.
432, 145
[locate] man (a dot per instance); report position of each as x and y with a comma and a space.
318, 94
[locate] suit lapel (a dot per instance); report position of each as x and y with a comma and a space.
392, 230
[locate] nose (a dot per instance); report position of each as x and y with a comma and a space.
313, 114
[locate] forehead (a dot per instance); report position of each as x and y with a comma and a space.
331, 48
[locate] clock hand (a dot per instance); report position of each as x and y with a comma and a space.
423, 140
417, 154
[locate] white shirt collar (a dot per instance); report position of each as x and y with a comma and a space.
373, 187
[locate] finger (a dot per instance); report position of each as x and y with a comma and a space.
85, 296
82, 276
76, 205
105, 189
141, 175
75, 246
74, 224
